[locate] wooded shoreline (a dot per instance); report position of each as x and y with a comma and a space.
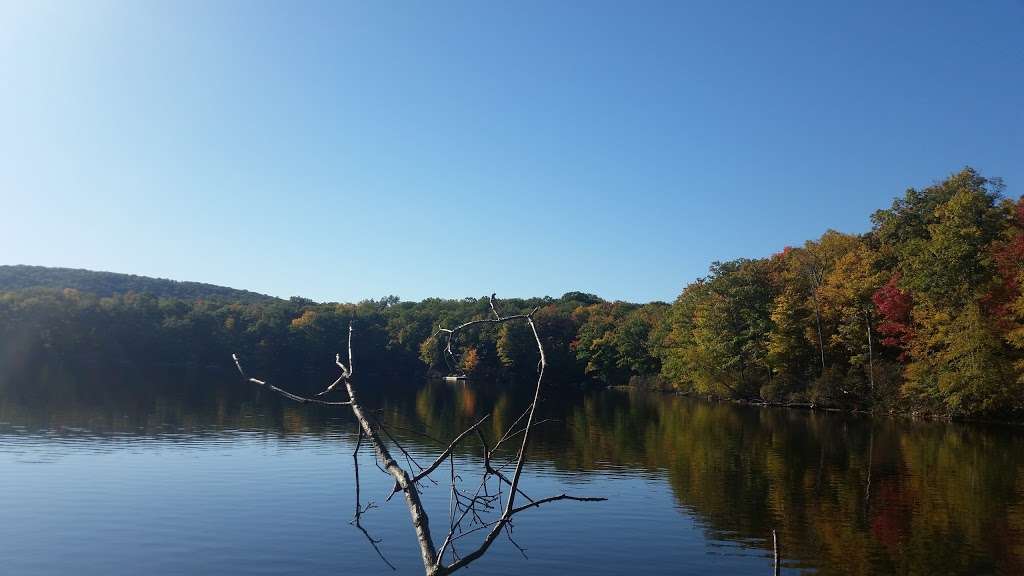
923, 314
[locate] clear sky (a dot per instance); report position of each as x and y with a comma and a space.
343, 151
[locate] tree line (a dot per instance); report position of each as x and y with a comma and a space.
586, 338
924, 313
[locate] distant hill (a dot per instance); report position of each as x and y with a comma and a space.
108, 283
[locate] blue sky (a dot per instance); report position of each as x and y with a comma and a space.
343, 151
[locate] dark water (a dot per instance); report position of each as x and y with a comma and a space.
120, 471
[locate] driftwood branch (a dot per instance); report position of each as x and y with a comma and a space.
468, 512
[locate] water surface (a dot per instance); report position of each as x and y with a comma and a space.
166, 471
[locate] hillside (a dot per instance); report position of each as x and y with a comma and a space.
107, 283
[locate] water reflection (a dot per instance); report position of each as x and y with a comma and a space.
847, 495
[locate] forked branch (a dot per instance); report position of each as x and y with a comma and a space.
467, 510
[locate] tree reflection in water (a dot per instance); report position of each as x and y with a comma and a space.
847, 495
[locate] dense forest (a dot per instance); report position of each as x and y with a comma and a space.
922, 314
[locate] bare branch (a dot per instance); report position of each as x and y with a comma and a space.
408, 457
520, 461
416, 510
467, 512
447, 451
510, 434
498, 319
285, 393
336, 382
494, 308
555, 499
346, 373
419, 516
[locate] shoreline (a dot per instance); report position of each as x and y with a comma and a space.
811, 407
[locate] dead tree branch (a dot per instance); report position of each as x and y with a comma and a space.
468, 511
282, 392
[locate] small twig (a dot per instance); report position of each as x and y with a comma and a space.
509, 435
447, 451
555, 499
408, 457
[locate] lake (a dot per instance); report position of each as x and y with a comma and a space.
170, 471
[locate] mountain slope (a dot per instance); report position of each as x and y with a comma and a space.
107, 283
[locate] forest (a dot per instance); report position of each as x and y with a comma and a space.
923, 314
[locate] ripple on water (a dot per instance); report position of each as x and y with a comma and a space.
693, 487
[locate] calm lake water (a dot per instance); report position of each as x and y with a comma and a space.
164, 471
